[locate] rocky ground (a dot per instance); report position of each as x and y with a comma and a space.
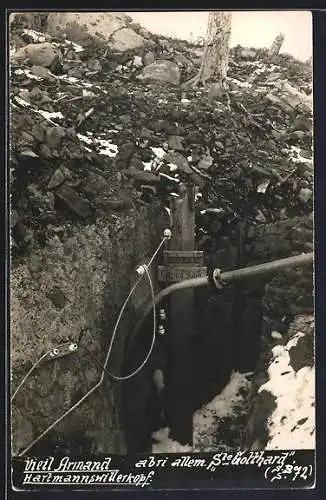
97, 130
101, 127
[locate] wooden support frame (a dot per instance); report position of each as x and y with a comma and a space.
179, 387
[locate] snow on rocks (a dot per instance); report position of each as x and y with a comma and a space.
238, 83
283, 412
85, 79
292, 423
137, 62
276, 335
35, 36
106, 147
164, 444
159, 152
28, 73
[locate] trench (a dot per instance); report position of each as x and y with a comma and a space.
226, 349
229, 345
214, 352
221, 348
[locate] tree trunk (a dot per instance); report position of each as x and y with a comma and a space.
215, 60
276, 45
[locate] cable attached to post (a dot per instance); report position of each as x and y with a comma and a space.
142, 270
167, 236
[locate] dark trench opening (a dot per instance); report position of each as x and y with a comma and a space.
228, 326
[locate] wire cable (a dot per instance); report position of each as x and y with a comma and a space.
137, 370
145, 267
35, 365
99, 383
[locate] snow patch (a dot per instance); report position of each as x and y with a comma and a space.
106, 146
75, 46
147, 165
240, 84
172, 179
276, 335
296, 157
22, 102
85, 139
36, 36
292, 423
294, 340
165, 444
263, 187
48, 116
77, 82
27, 73
158, 152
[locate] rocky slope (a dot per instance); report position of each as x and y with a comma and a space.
108, 113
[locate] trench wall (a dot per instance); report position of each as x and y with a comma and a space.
234, 325
288, 315
72, 290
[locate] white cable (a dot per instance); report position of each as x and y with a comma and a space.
82, 399
126, 377
71, 409
29, 373
142, 270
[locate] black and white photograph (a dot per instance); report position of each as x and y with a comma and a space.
161, 192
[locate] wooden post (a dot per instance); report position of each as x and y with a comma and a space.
179, 389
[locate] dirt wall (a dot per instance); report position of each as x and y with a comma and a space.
72, 290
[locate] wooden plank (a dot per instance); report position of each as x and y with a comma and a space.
180, 340
183, 258
172, 274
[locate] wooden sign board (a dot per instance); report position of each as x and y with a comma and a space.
183, 258
173, 274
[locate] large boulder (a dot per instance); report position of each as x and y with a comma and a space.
126, 39
38, 54
80, 26
161, 71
